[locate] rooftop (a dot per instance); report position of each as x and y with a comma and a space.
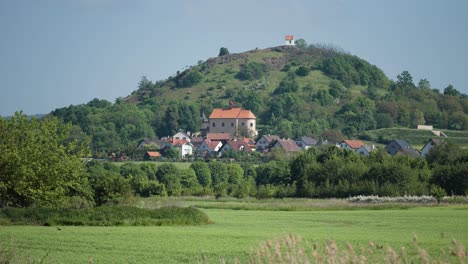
231, 113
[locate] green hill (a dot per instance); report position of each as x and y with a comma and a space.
316, 91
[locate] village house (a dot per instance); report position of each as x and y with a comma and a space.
196, 141
265, 141
148, 143
409, 152
208, 147
181, 135
306, 142
429, 145
234, 145
250, 142
365, 150
351, 144
396, 145
286, 144
234, 121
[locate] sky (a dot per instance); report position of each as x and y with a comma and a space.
55, 53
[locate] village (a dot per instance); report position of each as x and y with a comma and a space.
233, 130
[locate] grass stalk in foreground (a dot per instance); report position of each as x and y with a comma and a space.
293, 249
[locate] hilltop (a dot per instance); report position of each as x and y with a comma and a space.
313, 90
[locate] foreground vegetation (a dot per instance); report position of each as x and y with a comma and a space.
103, 216
239, 233
293, 249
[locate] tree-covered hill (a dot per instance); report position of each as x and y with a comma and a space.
310, 90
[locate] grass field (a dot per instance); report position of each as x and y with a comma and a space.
235, 233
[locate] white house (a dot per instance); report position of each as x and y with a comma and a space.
289, 40
181, 136
186, 149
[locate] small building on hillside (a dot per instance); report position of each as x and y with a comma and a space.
365, 150
289, 40
152, 155
429, 145
396, 145
233, 120
306, 142
351, 144
265, 141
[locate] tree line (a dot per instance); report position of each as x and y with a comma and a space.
41, 166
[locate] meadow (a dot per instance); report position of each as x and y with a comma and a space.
237, 233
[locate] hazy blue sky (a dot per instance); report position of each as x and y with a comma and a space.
54, 53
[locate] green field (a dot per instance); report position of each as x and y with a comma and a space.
235, 233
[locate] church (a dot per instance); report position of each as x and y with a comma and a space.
233, 120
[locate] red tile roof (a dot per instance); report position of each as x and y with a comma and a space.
218, 136
231, 113
271, 138
212, 144
178, 142
237, 145
153, 153
289, 37
354, 144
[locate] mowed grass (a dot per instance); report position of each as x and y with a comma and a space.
235, 233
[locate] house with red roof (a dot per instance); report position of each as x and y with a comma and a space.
234, 121
235, 145
209, 147
351, 144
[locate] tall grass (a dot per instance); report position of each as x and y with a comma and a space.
293, 249
103, 216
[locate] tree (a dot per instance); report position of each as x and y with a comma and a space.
39, 165
203, 173
300, 43
223, 51
219, 174
424, 84
449, 90
405, 79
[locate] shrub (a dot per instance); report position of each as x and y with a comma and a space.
302, 71
104, 216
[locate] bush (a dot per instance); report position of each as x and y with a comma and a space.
252, 71
104, 216
302, 71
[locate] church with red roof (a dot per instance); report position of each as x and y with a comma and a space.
233, 120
